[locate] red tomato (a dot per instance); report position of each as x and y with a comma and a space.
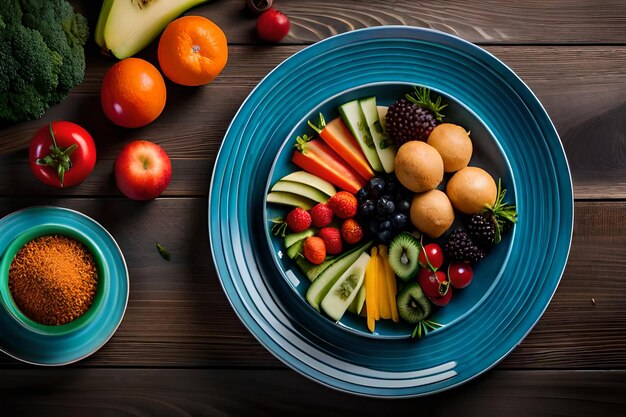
272, 25
62, 154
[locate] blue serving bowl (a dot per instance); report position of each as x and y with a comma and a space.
518, 143
487, 154
6, 299
35, 343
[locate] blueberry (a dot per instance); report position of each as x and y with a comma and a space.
403, 206
385, 236
385, 225
366, 208
376, 186
381, 205
398, 220
362, 194
390, 207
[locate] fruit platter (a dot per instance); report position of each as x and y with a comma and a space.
300, 219
391, 204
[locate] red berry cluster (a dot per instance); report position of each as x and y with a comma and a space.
329, 239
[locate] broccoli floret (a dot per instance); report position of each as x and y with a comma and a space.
41, 56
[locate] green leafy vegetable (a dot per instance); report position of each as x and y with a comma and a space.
41, 56
163, 252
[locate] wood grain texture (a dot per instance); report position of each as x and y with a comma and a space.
178, 315
582, 89
491, 21
172, 393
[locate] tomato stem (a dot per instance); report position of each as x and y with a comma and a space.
58, 158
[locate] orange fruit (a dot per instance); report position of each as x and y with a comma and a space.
192, 51
133, 93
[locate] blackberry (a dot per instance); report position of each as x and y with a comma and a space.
461, 247
482, 229
413, 117
487, 227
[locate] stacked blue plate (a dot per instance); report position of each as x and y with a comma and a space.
519, 144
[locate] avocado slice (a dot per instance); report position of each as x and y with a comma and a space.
125, 27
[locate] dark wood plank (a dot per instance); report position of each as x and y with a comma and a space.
174, 392
490, 21
178, 314
195, 120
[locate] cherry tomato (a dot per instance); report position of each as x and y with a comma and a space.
434, 284
62, 154
272, 25
460, 274
434, 253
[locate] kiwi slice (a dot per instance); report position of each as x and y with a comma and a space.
403, 253
413, 305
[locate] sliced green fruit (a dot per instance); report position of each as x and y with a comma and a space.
301, 189
375, 117
125, 27
293, 238
295, 249
413, 305
403, 255
345, 289
320, 286
356, 306
289, 199
313, 271
353, 117
314, 181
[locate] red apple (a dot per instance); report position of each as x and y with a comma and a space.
142, 170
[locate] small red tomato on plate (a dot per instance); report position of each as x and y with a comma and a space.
62, 154
272, 25
143, 170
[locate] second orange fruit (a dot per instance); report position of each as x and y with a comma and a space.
192, 51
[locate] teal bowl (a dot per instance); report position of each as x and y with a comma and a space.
39, 344
6, 299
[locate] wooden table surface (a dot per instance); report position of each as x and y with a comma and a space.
181, 350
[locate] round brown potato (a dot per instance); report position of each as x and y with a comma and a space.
432, 213
453, 144
470, 189
418, 166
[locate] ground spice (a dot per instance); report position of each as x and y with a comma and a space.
53, 279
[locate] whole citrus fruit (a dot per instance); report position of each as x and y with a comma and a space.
133, 93
192, 51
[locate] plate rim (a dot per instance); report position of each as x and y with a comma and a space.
546, 125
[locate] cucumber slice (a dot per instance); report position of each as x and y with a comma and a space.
295, 249
290, 199
345, 289
353, 117
385, 149
293, 238
356, 306
311, 180
301, 189
320, 286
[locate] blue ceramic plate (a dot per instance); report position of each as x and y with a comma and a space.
517, 142
40, 349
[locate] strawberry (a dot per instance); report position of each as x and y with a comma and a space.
321, 215
314, 250
298, 220
351, 231
332, 240
343, 204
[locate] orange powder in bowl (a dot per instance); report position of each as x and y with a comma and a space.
53, 279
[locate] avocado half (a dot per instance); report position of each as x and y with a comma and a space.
125, 27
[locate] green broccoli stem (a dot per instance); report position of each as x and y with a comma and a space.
58, 158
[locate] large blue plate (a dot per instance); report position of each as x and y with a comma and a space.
40, 349
535, 164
